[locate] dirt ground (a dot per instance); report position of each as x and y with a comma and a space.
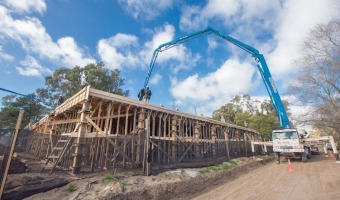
242, 178
319, 178
173, 184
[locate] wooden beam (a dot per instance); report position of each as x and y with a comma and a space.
117, 148
94, 125
66, 121
80, 139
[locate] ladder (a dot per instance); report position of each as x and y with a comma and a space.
58, 151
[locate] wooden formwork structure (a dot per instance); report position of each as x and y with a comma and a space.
100, 130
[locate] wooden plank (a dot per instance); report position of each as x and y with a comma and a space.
117, 148
65, 121
94, 125
126, 132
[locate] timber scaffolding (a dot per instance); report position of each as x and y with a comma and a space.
99, 130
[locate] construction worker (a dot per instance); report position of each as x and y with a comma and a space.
60, 100
147, 94
141, 94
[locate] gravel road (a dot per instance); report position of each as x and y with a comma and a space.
319, 178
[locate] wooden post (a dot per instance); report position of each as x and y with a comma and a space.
133, 134
245, 143
197, 138
116, 140
174, 138
17, 127
141, 124
147, 146
226, 137
125, 133
80, 139
213, 140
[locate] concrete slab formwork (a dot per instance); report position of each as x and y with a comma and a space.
99, 130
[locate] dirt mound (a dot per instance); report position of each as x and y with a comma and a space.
188, 188
175, 184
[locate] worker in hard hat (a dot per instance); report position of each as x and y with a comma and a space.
141, 94
147, 94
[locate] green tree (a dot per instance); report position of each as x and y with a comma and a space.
68, 81
243, 111
11, 105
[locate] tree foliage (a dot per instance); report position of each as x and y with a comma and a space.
244, 111
317, 83
68, 81
65, 82
11, 106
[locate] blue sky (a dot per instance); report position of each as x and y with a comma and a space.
39, 36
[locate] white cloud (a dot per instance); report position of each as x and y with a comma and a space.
33, 37
296, 20
26, 6
276, 28
70, 54
4, 56
185, 59
155, 79
123, 50
31, 67
117, 51
212, 43
213, 90
148, 9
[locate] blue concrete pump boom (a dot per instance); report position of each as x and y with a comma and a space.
259, 58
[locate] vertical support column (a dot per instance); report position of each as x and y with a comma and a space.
141, 126
226, 138
252, 149
80, 141
174, 138
265, 149
125, 133
213, 140
245, 143
197, 133
133, 134
147, 146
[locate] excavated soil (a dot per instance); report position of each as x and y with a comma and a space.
175, 184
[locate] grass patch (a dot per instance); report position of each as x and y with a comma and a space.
233, 163
218, 167
109, 177
71, 188
123, 185
204, 171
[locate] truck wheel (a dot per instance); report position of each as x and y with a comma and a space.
277, 157
308, 152
304, 157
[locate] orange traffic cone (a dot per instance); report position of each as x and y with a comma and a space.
330, 154
290, 166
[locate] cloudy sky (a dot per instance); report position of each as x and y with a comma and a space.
39, 36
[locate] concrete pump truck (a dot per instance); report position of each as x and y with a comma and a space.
286, 141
